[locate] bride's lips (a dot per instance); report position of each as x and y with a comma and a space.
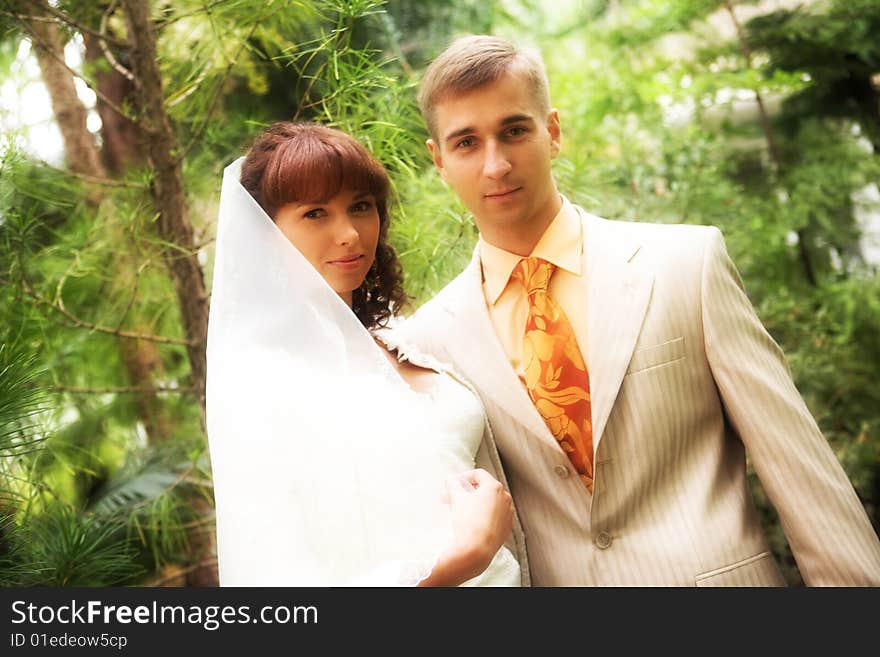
348, 263
502, 195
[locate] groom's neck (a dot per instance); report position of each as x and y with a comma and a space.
519, 237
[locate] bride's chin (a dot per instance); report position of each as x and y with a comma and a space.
346, 288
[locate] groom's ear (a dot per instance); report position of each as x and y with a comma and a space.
555, 132
434, 150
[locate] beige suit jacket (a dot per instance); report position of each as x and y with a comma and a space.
684, 380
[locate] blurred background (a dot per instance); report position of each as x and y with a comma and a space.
118, 117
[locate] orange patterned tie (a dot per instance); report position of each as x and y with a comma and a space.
556, 376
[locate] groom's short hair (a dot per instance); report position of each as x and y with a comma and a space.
474, 61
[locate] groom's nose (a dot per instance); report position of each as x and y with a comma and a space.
496, 165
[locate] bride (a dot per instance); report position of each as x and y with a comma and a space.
339, 457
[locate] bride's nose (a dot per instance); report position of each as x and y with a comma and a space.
344, 231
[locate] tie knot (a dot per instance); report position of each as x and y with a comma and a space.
534, 274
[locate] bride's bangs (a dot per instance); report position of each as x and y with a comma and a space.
316, 169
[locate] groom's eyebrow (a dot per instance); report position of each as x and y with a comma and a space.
461, 132
516, 118
507, 120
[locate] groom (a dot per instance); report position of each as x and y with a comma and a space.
622, 367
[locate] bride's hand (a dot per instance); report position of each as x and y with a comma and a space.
482, 517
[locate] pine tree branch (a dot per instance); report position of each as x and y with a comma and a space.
341, 36
80, 390
81, 323
133, 299
205, 9
29, 17
211, 106
107, 182
56, 15
180, 572
102, 43
39, 42
307, 93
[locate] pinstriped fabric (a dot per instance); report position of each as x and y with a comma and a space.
687, 380
797, 456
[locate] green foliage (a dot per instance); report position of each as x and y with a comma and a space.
660, 122
644, 21
155, 495
417, 30
20, 403
62, 548
824, 331
835, 49
432, 232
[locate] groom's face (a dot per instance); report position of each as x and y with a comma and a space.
493, 146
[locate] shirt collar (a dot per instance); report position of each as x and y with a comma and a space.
562, 244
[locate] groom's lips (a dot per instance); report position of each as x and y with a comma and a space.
502, 195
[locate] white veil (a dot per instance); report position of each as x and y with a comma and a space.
318, 475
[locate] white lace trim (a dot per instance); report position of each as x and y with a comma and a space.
408, 352
415, 572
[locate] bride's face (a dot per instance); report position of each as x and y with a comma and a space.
338, 237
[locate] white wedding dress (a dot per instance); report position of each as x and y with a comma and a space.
448, 423
328, 469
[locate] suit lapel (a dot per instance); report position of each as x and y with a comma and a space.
481, 358
618, 292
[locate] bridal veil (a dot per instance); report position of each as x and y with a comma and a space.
318, 475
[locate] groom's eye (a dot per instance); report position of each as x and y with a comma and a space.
467, 142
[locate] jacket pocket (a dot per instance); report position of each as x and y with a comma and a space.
656, 355
757, 570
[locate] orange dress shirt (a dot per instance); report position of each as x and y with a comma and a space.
563, 245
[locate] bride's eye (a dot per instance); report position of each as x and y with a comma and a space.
314, 213
361, 206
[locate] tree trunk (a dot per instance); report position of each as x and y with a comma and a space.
803, 238
140, 358
120, 149
142, 361
163, 154
162, 151
70, 113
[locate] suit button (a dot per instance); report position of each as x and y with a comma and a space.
561, 471
603, 540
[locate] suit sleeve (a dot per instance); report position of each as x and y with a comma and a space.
425, 330
826, 525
